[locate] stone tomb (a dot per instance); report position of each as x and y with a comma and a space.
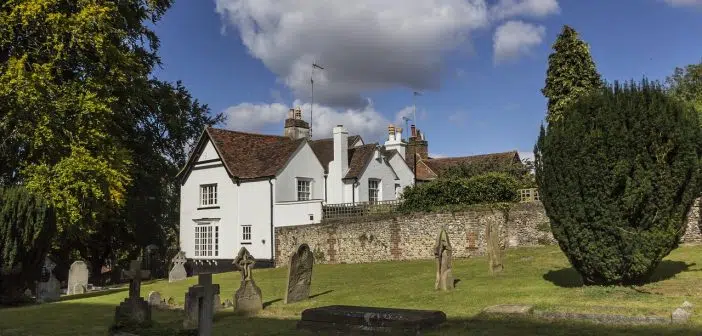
134, 310
442, 253
48, 287
178, 272
200, 305
247, 299
77, 278
299, 275
369, 319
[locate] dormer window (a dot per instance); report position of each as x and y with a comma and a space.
208, 195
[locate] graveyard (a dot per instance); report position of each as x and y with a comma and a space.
538, 276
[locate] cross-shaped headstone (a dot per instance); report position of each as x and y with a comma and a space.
204, 293
135, 274
245, 262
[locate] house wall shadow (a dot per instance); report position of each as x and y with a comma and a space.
570, 278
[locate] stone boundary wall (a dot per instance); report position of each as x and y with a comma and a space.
409, 237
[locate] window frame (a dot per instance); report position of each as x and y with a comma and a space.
303, 180
377, 190
206, 239
245, 241
213, 199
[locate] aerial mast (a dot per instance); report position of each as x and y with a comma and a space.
314, 66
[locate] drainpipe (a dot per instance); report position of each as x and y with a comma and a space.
270, 182
325, 188
353, 190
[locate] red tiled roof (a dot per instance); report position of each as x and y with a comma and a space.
359, 158
248, 155
324, 149
440, 165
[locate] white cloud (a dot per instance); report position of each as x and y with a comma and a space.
527, 155
514, 38
524, 8
683, 3
363, 45
367, 121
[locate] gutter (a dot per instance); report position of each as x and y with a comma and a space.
270, 182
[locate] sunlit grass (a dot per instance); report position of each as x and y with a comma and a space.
539, 276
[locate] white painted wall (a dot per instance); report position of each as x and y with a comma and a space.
297, 213
255, 210
208, 153
303, 164
377, 169
227, 197
402, 170
247, 204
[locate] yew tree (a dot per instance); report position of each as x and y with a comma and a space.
617, 178
571, 73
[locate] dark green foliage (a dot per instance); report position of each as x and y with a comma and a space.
571, 73
27, 224
485, 188
519, 170
617, 178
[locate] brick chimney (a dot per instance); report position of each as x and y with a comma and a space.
295, 126
417, 145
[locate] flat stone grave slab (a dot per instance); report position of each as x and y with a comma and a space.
515, 309
370, 319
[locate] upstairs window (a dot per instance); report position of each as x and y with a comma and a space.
208, 195
304, 189
373, 191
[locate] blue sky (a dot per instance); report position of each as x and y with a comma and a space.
480, 64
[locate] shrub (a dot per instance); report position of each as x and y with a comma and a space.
27, 224
617, 178
485, 188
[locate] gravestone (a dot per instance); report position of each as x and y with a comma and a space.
442, 252
154, 299
217, 302
350, 319
178, 272
247, 299
134, 310
493, 248
199, 305
48, 287
77, 278
299, 275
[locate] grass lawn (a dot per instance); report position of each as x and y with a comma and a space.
540, 276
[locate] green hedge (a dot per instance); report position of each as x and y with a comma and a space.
484, 188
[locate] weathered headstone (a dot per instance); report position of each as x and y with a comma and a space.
178, 272
442, 252
247, 299
351, 319
199, 305
77, 278
299, 275
217, 302
134, 310
493, 248
48, 287
683, 313
154, 299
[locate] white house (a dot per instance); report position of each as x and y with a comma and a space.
236, 187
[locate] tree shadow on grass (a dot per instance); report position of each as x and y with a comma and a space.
84, 319
570, 278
